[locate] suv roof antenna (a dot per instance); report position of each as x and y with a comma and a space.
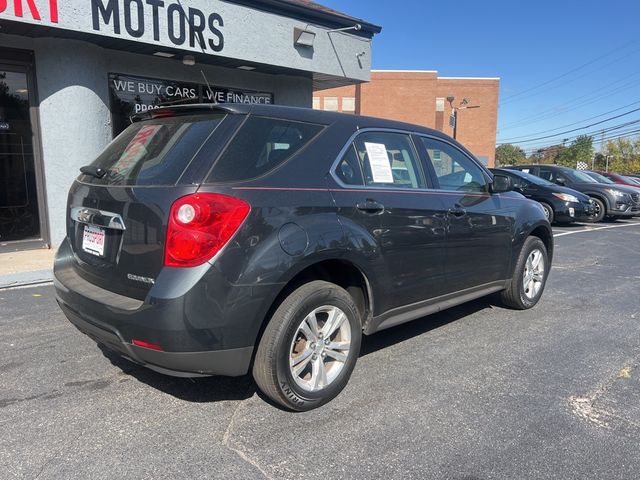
208, 86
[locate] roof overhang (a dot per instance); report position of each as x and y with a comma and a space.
234, 34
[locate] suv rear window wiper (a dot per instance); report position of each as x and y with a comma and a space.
93, 171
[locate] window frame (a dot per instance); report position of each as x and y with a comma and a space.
207, 177
425, 175
488, 176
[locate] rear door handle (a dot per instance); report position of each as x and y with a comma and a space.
370, 206
457, 211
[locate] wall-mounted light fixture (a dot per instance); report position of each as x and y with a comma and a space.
189, 60
357, 27
303, 37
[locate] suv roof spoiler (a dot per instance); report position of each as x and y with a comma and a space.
191, 109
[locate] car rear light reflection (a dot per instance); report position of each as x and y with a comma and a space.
200, 225
151, 346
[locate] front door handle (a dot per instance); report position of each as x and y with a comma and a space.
370, 206
457, 211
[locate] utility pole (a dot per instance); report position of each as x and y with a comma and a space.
453, 119
607, 166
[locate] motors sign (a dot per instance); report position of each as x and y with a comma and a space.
130, 95
165, 20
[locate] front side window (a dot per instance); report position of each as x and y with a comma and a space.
454, 170
548, 174
388, 160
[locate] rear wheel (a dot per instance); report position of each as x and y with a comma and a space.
529, 276
548, 211
599, 210
310, 347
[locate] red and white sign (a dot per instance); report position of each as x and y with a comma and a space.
34, 9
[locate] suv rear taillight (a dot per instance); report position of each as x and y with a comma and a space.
200, 225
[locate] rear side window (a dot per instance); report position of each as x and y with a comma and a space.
349, 170
261, 145
386, 160
154, 152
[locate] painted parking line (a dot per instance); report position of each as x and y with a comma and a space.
593, 229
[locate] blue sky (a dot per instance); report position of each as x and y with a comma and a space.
561, 63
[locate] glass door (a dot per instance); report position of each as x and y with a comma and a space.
21, 215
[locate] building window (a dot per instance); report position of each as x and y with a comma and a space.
349, 104
331, 104
316, 103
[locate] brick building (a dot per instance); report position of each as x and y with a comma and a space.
420, 97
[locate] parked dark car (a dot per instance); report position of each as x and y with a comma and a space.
609, 200
219, 240
561, 204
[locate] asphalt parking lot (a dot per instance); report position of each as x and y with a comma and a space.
476, 392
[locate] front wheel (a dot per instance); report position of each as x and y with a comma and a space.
529, 276
548, 211
599, 210
309, 347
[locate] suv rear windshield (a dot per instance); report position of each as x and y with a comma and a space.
154, 152
261, 145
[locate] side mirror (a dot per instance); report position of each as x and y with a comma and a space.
501, 184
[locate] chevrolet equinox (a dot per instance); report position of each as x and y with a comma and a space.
228, 239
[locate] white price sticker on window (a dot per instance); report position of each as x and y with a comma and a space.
379, 162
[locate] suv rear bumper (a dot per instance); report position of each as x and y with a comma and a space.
233, 362
194, 341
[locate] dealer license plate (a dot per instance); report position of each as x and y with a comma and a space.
93, 240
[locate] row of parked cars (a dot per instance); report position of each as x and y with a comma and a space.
569, 195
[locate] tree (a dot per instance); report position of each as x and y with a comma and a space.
580, 150
546, 155
508, 154
624, 155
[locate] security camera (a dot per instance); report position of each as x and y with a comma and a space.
357, 27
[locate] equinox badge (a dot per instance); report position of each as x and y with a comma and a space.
138, 278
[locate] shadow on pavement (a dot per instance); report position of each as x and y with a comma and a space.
406, 331
198, 390
215, 389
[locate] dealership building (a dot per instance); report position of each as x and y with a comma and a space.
72, 73
425, 98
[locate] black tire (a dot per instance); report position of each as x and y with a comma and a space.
515, 296
600, 210
548, 211
271, 369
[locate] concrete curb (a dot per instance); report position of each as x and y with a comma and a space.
26, 278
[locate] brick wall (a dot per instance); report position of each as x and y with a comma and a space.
420, 97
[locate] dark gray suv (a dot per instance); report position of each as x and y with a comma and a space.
219, 240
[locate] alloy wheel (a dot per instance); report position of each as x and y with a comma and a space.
533, 276
320, 348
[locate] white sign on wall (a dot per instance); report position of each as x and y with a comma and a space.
210, 27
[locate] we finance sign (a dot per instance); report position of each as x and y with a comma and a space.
198, 26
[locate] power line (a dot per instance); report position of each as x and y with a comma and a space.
571, 124
616, 136
570, 71
580, 128
591, 134
553, 111
507, 100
